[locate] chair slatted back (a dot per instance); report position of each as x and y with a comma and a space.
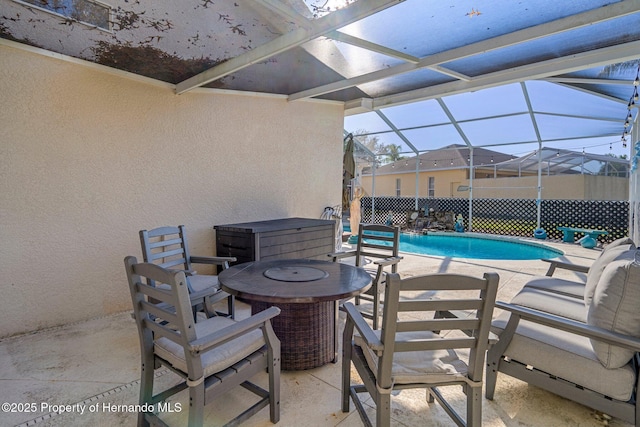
166, 247
377, 241
160, 312
473, 296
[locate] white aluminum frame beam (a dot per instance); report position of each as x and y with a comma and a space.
454, 122
525, 92
365, 44
446, 71
532, 33
338, 19
595, 93
397, 131
587, 81
581, 116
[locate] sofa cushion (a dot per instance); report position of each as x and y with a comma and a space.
559, 286
608, 255
551, 302
567, 356
615, 308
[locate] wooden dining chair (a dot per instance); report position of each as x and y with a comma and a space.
212, 356
377, 251
418, 344
167, 247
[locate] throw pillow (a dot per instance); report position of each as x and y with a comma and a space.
615, 307
595, 271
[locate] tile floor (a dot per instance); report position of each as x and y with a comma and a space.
93, 366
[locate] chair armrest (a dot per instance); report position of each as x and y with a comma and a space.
388, 261
572, 326
382, 263
340, 255
216, 260
353, 315
565, 266
233, 331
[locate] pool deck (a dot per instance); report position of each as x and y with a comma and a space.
96, 362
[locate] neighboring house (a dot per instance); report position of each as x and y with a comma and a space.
440, 172
445, 173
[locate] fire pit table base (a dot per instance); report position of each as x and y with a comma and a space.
306, 333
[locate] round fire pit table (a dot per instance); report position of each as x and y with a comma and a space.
307, 293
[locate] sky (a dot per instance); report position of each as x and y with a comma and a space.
566, 119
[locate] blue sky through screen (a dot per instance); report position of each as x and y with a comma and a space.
495, 117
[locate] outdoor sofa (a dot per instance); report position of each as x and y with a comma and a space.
578, 339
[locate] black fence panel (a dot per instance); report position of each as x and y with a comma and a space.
611, 216
399, 207
512, 217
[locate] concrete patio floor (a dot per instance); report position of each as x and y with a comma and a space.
94, 367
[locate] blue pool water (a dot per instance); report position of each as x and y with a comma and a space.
463, 245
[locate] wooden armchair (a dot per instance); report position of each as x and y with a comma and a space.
167, 247
382, 244
212, 356
409, 352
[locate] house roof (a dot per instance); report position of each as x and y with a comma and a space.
369, 55
554, 161
559, 161
450, 157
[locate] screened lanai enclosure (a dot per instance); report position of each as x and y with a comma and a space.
540, 79
506, 131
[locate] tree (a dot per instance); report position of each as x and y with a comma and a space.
393, 152
390, 153
372, 143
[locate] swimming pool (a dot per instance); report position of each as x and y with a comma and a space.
476, 246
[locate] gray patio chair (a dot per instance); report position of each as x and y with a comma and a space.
167, 247
583, 348
411, 353
212, 356
382, 244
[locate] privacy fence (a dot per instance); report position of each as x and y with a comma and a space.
511, 217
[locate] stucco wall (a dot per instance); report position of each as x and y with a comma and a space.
568, 187
88, 158
445, 182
